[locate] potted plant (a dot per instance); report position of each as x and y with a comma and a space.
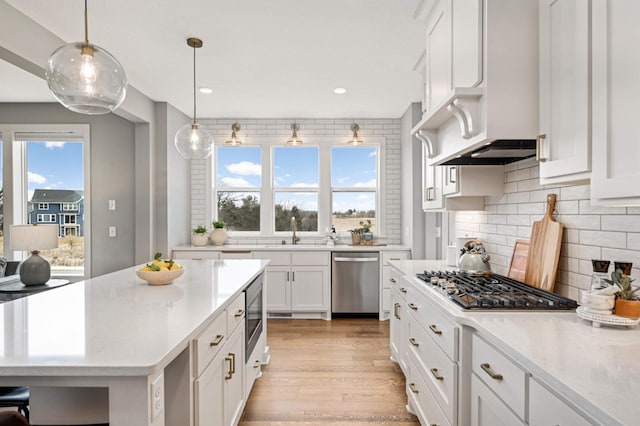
627, 304
356, 236
199, 236
367, 235
218, 235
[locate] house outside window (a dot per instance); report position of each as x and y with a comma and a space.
70, 207
43, 206
46, 218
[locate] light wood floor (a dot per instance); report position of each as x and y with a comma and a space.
328, 373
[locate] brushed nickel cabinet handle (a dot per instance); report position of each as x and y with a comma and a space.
413, 388
239, 313
293, 276
487, 369
287, 275
430, 193
396, 309
395, 258
540, 158
233, 363
257, 364
217, 341
403, 290
434, 372
393, 280
236, 251
413, 341
434, 329
413, 306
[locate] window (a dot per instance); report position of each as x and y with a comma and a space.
238, 185
295, 183
258, 188
353, 186
50, 218
41, 206
70, 207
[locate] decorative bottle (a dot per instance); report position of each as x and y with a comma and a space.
599, 274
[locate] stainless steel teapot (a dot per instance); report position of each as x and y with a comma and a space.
474, 259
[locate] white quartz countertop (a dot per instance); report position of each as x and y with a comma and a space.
290, 247
598, 369
117, 324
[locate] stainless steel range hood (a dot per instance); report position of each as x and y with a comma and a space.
498, 152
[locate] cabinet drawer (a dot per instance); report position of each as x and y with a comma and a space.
236, 254
277, 258
209, 342
440, 329
310, 258
438, 372
545, 408
391, 277
500, 374
196, 254
393, 255
488, 409
235, 313
421, 398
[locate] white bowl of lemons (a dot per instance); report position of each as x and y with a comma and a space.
160, 271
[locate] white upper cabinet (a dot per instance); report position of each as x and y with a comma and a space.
564, 144
616, 89
481, 74
431, 184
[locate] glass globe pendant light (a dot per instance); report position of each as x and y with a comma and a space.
234, 140
85, 78
294, 139
192, 142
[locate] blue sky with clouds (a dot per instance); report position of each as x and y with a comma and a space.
54, 165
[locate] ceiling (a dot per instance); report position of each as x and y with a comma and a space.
262, 58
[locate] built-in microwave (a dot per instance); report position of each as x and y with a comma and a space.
254, 321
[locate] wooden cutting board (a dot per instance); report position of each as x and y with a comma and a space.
518, 265
544, 249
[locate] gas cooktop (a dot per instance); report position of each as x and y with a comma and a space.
494, 291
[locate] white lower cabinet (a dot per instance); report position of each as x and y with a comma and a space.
219, 384
386, 306
545, 408
298, 283
398, 320
487, 409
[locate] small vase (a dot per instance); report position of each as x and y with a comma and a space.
199, 240
355, 239
367, 238
218, 236
628, 308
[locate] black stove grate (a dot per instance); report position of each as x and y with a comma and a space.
494, 292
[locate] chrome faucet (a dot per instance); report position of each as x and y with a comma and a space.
294, 228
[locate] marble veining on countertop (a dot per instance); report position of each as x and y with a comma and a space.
595, 368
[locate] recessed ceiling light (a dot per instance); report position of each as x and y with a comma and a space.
206, 90
339, 90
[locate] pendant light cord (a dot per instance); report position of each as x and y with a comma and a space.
86, 23
194, 85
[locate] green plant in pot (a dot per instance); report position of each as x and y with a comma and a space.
218, 235
356, 236
627, 303
199, 237
367, 235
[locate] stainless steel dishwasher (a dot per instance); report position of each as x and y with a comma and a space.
355, 283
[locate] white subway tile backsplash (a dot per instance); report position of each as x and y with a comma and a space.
590, 232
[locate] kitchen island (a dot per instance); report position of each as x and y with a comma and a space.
565, 365
118, 337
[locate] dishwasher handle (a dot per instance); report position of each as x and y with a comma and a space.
355, 259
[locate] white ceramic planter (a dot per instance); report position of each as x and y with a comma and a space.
199, 240
218, 236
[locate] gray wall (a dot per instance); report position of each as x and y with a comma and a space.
112, 177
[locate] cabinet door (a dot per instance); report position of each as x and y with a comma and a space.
310, 288
565, 150
438, 54
431, 184
467, 43
209, 393
547, 409
278, 289
234, 378
487, 409
616, 150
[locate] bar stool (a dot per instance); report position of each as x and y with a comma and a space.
15, 397
12, 418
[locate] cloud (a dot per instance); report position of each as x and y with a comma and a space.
372, 153
235, 182
245, 168
363, 197
343, 180
52, 145
304, 185
36, 178
369, 184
